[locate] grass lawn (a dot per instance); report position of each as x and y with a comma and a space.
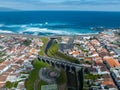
29, 84
41, 83
45, 41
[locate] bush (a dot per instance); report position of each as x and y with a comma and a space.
92, 76
10, 84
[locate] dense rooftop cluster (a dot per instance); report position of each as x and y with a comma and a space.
16, 59
100, 54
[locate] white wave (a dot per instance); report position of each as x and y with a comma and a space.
5, 31
16, 26
23, 26
35, 24
85, 33
36, 33
54, 24
46, 23
40, 24
1, 25
45, 30
30, 25
12, 26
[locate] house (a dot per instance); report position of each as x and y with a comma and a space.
87, 37
2, 80
75, 53
21, 86
4, 67
107, 83
94, 54
1, 85
111, 62
27, 65
12, 78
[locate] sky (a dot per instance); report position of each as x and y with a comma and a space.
82, 5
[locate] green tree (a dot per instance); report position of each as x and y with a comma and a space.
27, 42
9, 84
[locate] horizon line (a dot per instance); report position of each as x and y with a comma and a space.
60, 10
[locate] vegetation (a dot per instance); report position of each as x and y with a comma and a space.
29, 84
85, 50
0, 54
1, 60
41, 83
62, 78
86, 86
87, 62
23, 76
11, 84
42, 49
53, 52
27, 42
92, 76
116, 43
89, 80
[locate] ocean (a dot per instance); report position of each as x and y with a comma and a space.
57, 22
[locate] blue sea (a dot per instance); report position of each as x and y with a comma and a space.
57, 22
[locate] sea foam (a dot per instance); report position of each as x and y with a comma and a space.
6, 31
45, 30
42, 29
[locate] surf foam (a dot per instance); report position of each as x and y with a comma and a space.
5, 31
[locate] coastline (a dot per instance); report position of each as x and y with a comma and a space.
40, 36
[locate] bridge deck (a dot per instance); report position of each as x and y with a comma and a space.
60, 61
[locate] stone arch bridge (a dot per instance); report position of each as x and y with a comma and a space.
74, 71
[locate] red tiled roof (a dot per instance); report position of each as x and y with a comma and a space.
112, 62
2, 67
3, 78
1, 85
76, 53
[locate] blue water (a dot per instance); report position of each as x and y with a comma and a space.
57, 22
